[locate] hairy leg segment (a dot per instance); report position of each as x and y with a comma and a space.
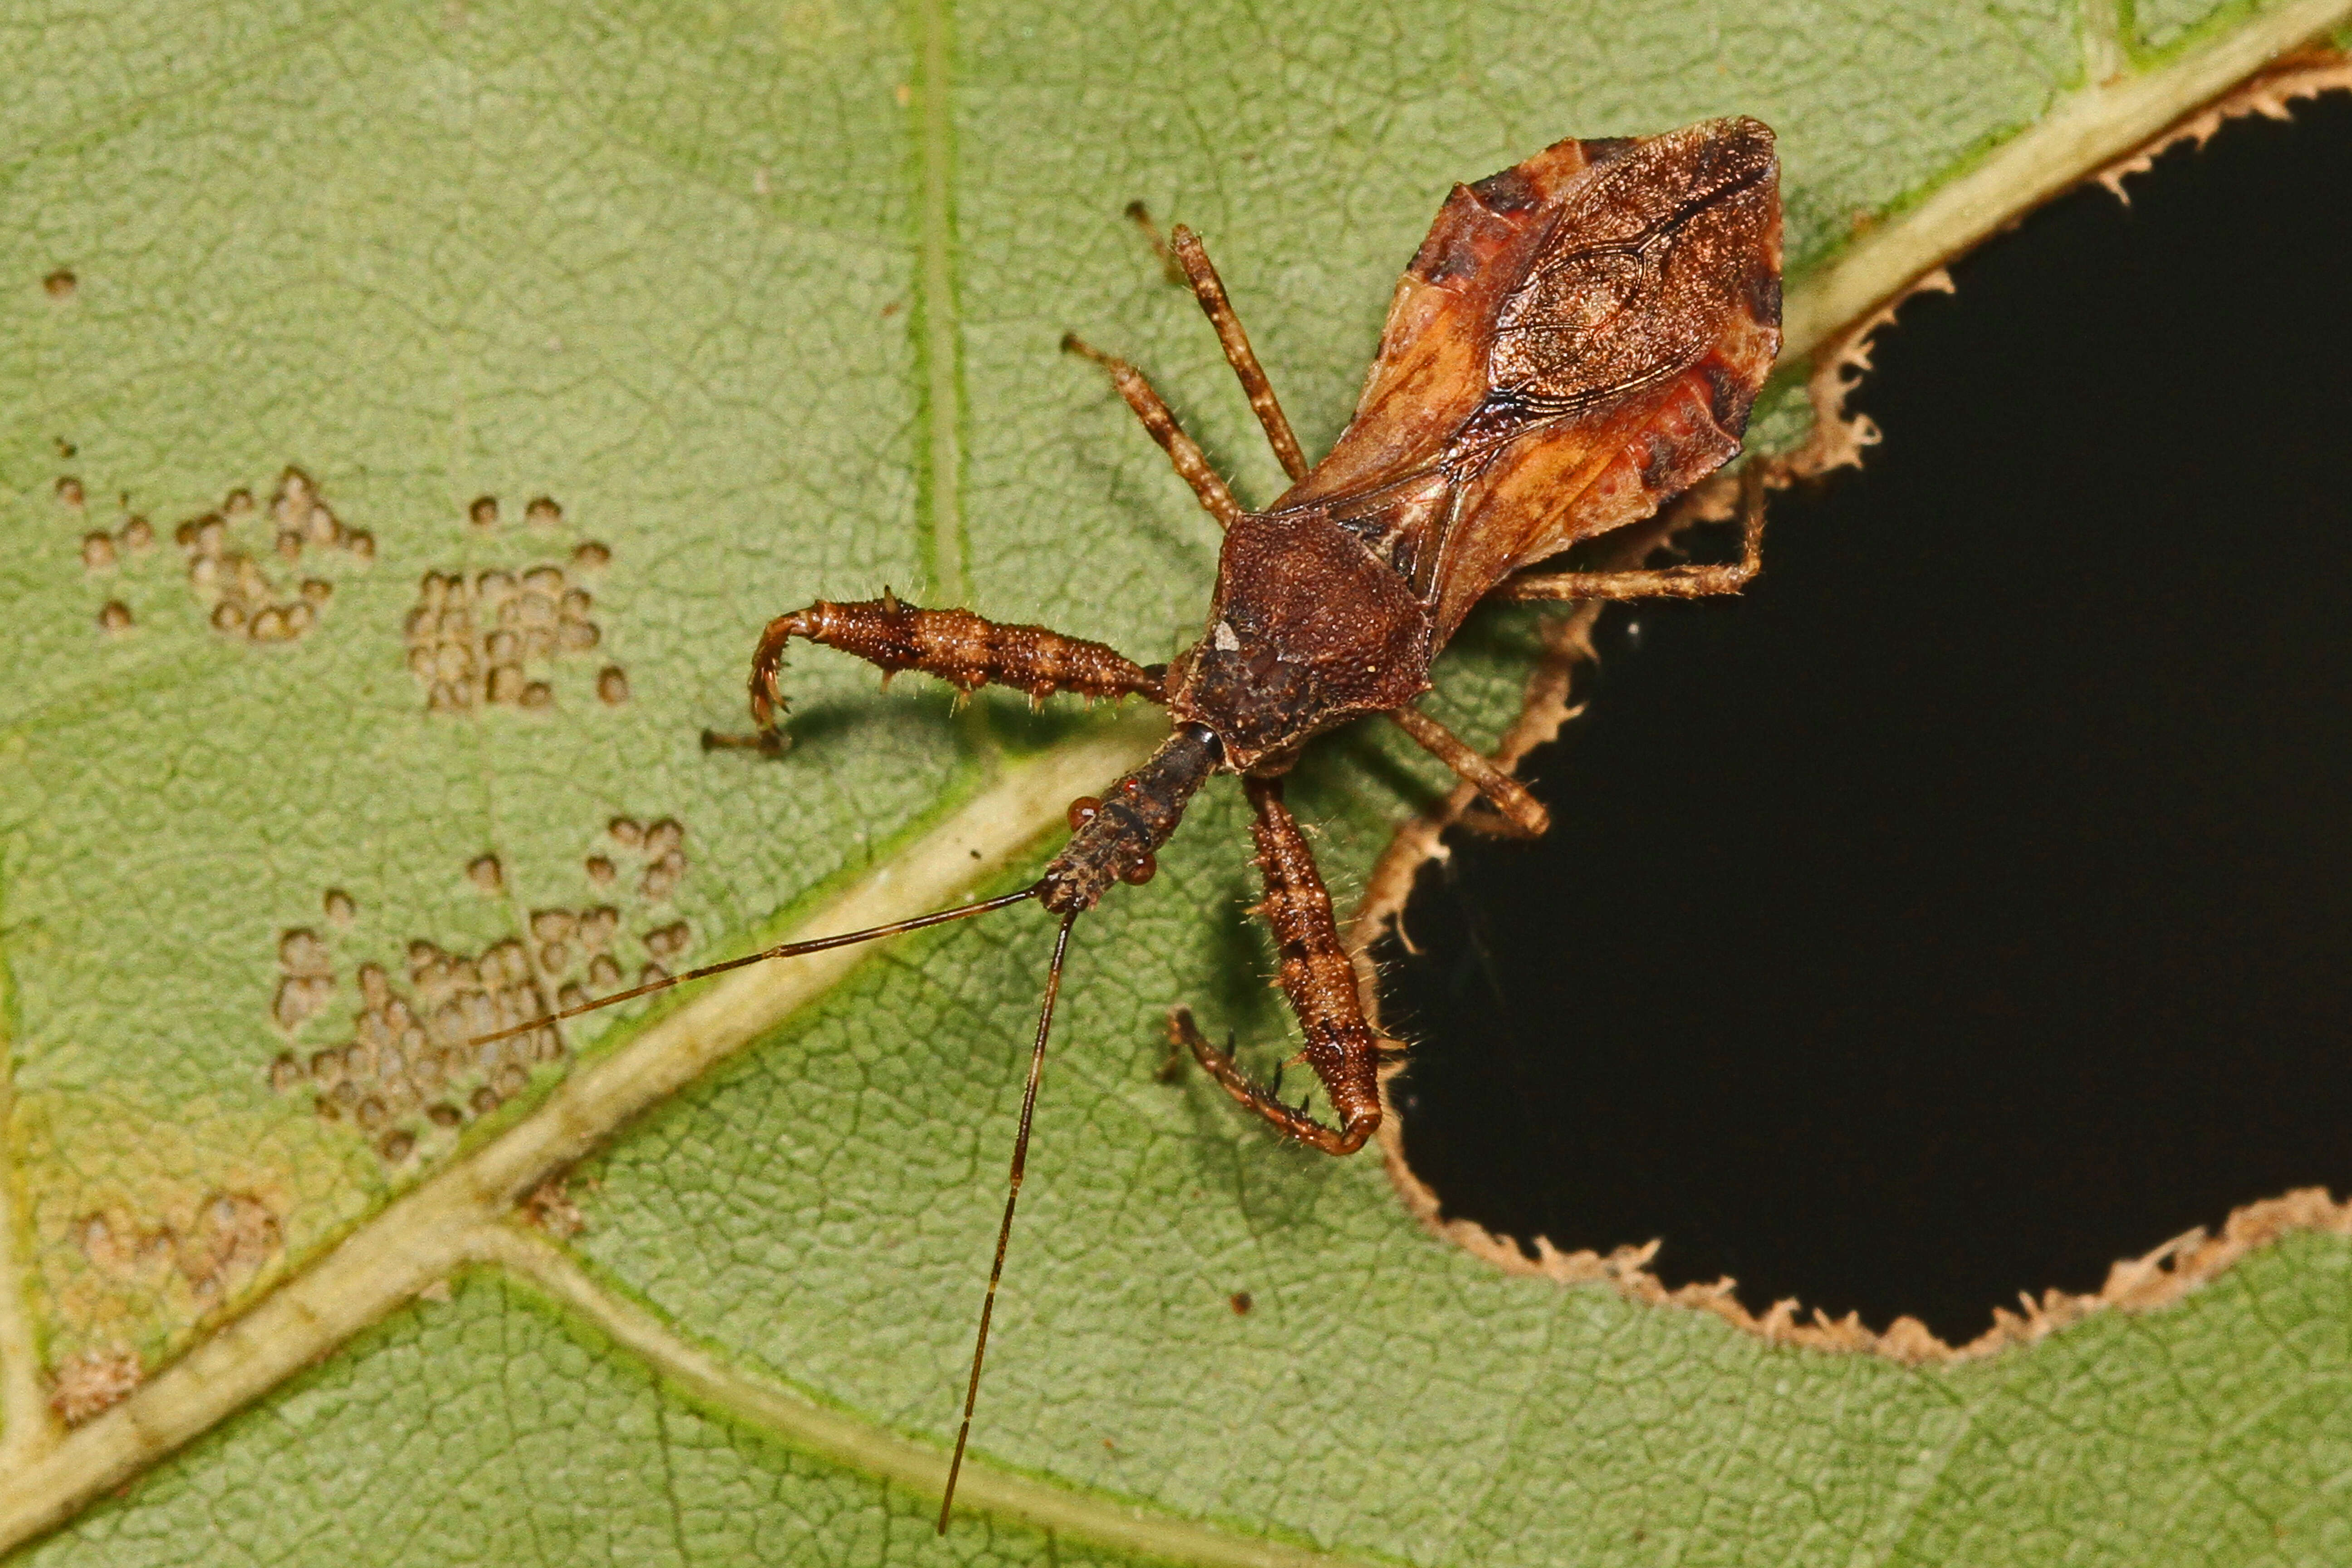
1319, 980
1210, 290
1518, 813
966, 650
1674, 582
1191, 463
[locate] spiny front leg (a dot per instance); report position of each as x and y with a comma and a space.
1318, 978
966, 650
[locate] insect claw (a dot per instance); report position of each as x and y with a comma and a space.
1074, 344
1276, 1090
1140, 215
1171, 1068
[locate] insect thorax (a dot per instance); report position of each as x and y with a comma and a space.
1308, 629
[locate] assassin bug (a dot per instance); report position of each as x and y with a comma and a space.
1578, 341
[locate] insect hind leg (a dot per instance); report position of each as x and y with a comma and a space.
1671, 583
1517, 814
1319, 980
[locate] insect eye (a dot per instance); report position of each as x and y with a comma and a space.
1083, 810
1137, 872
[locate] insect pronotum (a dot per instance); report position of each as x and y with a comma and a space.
1577, 341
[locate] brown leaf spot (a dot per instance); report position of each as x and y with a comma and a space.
549, 1209
90, 1382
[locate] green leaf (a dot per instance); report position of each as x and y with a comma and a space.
763, 304
491, 1430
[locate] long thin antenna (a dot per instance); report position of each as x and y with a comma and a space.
784, 950
1012, 1197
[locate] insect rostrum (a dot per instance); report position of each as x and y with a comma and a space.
1578, 341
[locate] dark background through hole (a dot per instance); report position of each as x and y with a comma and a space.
1970, 905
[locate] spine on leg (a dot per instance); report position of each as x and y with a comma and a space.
1317, 974
966, 650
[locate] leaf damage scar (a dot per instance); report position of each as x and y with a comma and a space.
1578, 341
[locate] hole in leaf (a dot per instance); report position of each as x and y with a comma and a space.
1971, 905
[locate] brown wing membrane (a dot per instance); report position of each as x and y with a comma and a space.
1659, 250
1624, 365
1578, 339
1431, 372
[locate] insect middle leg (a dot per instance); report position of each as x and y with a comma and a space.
1672, 583
1187, 260
1210, 290
1318, 978
966, 650
1191, 463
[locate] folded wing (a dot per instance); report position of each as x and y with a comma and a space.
1579, 340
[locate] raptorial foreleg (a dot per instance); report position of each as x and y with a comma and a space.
1318, 978
966, 650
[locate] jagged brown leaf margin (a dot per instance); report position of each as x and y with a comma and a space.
1840, 360
2271, 95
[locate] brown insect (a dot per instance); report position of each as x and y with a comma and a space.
1577, 341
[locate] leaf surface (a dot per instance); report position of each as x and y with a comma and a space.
762, 302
